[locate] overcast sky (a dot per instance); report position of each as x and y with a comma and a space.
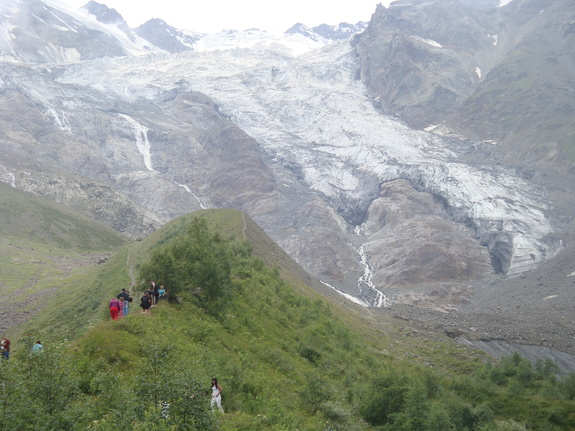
209, 16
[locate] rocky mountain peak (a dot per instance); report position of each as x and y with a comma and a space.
343, 30
328, 32
104, 14
49, 32
166, 37
302, 29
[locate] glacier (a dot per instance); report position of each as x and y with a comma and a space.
306, 107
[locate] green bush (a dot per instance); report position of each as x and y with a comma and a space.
567, 387
200, 262
384, 397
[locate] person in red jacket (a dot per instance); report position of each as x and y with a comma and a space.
115, 308
5, 346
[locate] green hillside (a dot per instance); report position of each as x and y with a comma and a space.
287, 357
29, 219
45, 248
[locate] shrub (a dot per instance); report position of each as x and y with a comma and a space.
383, 397
199, 261
567, 386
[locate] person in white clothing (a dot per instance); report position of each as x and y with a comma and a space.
216, 395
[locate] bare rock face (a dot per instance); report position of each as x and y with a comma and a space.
398, 202
238, 176
442, 252
419, 60
497, 74
523, 103
414, 246
321, 246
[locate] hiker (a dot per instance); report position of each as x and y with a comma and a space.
156, 294
146, 302
126, 306
165, 413
124, 294
127, 299
115, 308
5, 347
216, 395
162, 292
121, 308
37, 348
150, 290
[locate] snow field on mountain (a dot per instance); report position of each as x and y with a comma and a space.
310, 110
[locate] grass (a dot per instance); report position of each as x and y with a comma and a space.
287, 357
47, 254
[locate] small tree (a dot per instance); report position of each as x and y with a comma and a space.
15, 404
199, 261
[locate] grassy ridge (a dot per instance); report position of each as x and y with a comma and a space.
287, 357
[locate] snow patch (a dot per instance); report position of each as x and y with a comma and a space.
61, 54
431, 127
478, 71
494, 37
61, 28
350, 297
6, 31
39, 19
7, 177
427, 41
66, 28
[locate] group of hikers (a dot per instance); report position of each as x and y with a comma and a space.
120, 305
152, 296
5, 347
